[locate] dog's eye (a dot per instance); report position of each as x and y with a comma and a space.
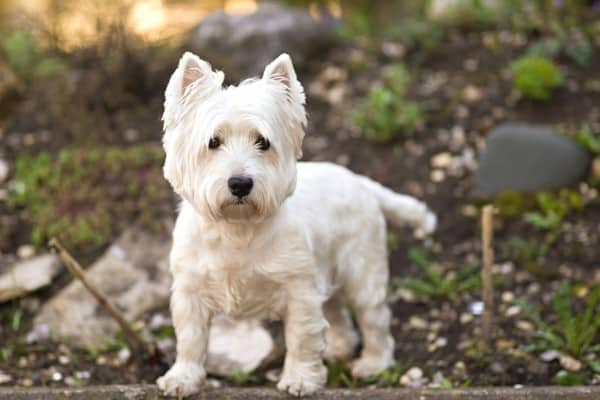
214, 142
262, 143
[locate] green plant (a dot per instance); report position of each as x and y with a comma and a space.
588, 140
243, 378
535, 77
527, 253
575, 333
553, 209
75, 195
338, 375
27, 58
437, 283
387, 112
388, 377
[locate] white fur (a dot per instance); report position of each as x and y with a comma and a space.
306, 243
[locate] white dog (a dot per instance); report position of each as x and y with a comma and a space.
262, 236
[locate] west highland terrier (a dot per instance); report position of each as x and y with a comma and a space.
260, 235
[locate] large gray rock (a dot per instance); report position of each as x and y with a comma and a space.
529, 158
242, 45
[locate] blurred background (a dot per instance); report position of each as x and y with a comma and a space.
458, 102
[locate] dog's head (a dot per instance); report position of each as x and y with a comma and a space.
231, 152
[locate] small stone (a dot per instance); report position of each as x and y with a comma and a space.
504, 344
466, 318
124, 355
436, 326
525, 326
25, 251
406, 295
437, 175
83, 375
550, 355
471, 64
70, 381
57, 376
472, 94
441, 160
497, 368
101, 360
393, 49
39, 333
131, 135
476, 307
508, 297
512, 311
27, 382
3, 170
213, 383
441, 342
569, 363
22, 363
5, 378
63, 359
417, 323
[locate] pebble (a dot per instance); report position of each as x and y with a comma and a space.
472, 94
504, 344
27, 382
524, 325
437, 175
569, 363
466, 318
476, 307
497, 368
508, 297
83, 375
550, 355
25, 251
124, 355
70, 381
57, 376
101, 360
5, 378
417, 323
512, 311
413, 378
3, 170
273, 375
38, 333
441, 160
63, 359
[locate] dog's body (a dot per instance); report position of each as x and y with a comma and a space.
261, 236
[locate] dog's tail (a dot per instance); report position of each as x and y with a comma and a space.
401, 209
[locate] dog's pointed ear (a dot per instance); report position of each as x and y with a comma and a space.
192, 81
281, 70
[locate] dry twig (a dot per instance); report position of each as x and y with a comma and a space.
487, 236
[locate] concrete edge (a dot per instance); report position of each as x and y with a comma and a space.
150, 392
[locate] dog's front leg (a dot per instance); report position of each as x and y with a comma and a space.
191, 320
305, 327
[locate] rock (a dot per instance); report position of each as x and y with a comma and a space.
242, 45
238, 346
28, 276
133, 273
569, 363
476, 307
529, 158
413, 378
5, 378
25, 251
3, 170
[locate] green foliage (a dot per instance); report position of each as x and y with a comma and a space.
526, 253
535, 77
577, 48
437, 283
387, 112
243, 378
575, 333
511, 204
338, 375
588, 140
86, 196
566, 378
553, 209
388, 377
27, 58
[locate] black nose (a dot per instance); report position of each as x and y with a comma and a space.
240, 186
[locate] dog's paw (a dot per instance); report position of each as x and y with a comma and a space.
183, 379
365, 367
303, 381
298, 387
340, 344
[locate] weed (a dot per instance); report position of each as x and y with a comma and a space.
388, 377
553, 209
527, 253
574, 333
243, 378
75, 195
27, 58
387, 112
338, 375
436, 283
588, 140
535, 77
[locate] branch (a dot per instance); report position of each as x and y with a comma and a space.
487, 236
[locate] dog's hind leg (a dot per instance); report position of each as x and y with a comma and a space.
341, 337
367, 278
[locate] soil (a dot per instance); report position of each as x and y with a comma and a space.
404, 165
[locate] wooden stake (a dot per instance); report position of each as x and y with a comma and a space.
487, 237
134, 340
